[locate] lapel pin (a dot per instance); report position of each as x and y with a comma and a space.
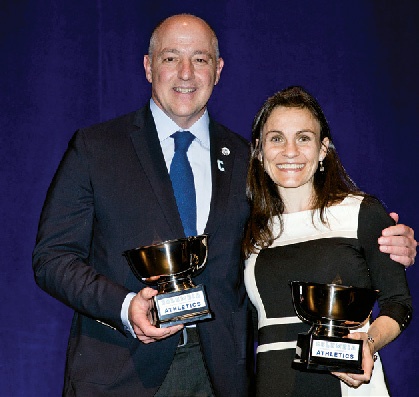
225, 151
220, 165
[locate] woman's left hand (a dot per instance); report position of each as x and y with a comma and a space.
356, 380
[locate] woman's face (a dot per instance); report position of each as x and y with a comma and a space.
291, 146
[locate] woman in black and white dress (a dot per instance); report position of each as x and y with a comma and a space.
309, 222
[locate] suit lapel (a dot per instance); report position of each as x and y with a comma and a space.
147, 146
150, 155
222, 161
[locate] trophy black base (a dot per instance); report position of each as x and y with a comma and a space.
182, 307
328, 353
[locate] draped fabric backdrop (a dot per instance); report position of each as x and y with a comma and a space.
68, 64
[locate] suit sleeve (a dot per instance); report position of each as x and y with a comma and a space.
387, 276
62, 255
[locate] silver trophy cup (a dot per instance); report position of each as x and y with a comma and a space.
170, 266
332, 310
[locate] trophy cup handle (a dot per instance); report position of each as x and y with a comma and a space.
197, 262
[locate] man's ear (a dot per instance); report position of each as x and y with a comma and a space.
147, 68
220, 64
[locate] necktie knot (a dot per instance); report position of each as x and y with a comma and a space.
183, 139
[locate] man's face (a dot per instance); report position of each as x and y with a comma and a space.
183, 69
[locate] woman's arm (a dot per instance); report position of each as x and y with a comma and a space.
389, 279
382, 331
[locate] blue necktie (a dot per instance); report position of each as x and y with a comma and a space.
183, 182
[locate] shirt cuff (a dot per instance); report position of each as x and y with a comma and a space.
124, 314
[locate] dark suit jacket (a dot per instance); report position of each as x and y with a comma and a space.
111, 193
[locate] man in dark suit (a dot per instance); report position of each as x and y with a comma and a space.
112, 192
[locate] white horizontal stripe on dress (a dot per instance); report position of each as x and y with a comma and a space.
276, 346
280, 321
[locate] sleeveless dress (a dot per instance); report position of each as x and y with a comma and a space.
344, 252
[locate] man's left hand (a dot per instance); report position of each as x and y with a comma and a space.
399, 242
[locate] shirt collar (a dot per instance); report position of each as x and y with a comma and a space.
166, 126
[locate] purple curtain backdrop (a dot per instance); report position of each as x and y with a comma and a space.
66, 64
